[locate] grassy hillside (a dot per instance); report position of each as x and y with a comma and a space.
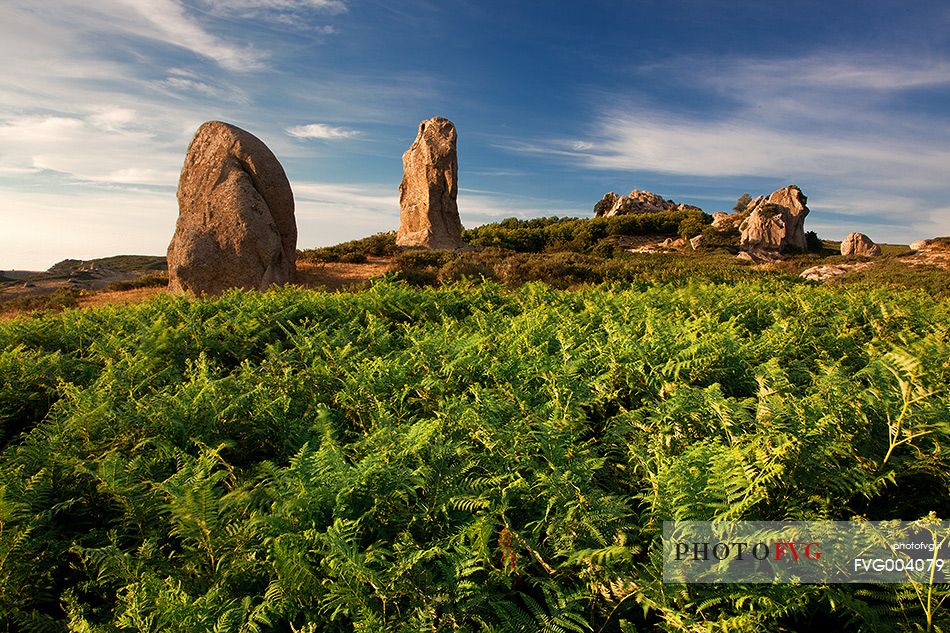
126, 263
463, 458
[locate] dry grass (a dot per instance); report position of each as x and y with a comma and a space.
119, 296
340, 275
18, 300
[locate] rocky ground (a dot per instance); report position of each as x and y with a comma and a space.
95, 284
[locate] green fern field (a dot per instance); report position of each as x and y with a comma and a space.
470, 458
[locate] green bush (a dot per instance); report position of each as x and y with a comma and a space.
420, 267
353, 258
742, 203
574, 234
714, 238
693, 224
466, 266
149, 280
813, 243
356, 251
58, 300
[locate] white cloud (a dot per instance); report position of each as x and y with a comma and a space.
845, 73
321, 131
329, 213
174, 26
99, 148
480, 207
739, 147
328, 6
112, 118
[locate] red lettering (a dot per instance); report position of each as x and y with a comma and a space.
783, 548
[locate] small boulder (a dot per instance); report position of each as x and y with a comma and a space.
776, 223
697, 241
236, 226
727, 221
428, 193
859, 244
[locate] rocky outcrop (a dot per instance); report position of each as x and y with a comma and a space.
236, 226
776, 223
429, 215
697, 241
932, 252
859, 244
636, 202
728, 221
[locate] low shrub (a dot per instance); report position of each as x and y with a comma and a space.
56, 301
467, 266
577, 234
151, 280
693, 224
378, 245
421, 267
715, 238
353, 258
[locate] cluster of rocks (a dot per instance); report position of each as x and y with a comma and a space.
769, 227
236, 226
636, 202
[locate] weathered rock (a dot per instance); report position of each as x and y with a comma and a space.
825, 272
429, 214
760, 256
776, 223
607, 206
931, 252
636, 202
859, 244
236, 226
687, 207
728, 221
697, 241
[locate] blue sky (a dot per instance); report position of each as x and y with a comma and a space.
555, 103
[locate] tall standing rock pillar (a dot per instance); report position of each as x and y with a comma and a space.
429, 214
236, 226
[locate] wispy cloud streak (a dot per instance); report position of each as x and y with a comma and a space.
322, 131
